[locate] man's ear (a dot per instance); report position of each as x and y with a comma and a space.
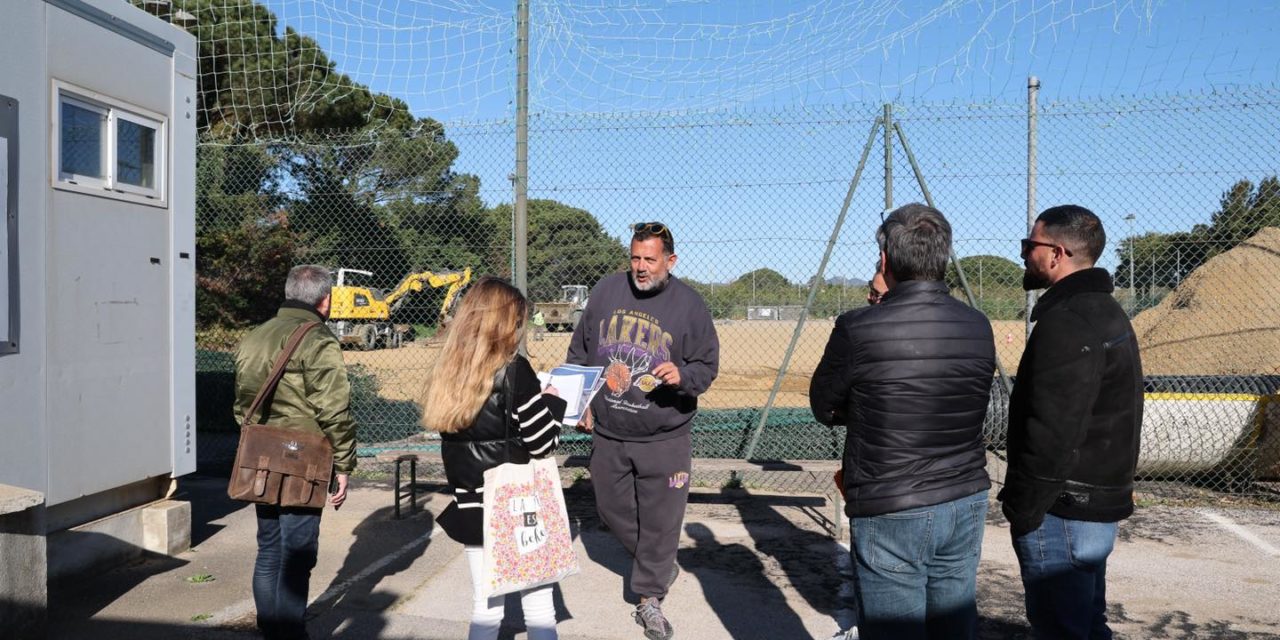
889, 279
671, 261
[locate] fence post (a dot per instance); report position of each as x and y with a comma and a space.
955, 261
1033, 91
520, 212
888, 157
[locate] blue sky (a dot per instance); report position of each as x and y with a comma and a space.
744, 193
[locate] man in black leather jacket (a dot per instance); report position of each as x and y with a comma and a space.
911, 378
1074, 423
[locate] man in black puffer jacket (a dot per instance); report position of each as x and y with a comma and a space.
911, 378
1074, 423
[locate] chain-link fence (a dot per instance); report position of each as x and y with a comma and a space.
1185, 186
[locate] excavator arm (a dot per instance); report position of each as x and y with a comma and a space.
454, 280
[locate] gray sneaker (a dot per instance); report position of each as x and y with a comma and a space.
648, 614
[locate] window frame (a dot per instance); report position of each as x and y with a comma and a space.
157, 153
103, 156
109, 184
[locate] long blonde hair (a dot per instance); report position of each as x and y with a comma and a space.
482, 338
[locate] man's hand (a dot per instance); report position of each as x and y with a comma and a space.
339, 496
668, 373
585, 424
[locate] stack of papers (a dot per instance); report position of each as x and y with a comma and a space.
577, 386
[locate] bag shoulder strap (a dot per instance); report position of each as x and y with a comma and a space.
277, 371
507, 417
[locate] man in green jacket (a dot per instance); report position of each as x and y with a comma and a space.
313, 395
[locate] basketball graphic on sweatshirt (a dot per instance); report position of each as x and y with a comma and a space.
633, 343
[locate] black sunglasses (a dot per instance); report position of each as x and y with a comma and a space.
656, 228
1028, 245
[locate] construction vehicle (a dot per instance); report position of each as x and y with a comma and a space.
563, 315
361, 316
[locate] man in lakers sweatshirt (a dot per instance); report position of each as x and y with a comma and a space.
654, 336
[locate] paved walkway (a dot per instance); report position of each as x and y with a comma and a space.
752, 566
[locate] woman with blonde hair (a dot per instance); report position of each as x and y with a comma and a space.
489, 408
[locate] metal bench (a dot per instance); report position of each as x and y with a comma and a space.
816, 468
401, 489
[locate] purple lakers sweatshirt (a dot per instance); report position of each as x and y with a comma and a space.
629, 332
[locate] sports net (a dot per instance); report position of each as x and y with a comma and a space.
741, 125
294, 65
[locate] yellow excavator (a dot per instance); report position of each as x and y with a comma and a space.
361, 316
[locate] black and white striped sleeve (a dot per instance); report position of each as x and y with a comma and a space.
537, 414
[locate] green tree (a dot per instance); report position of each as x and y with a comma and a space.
244, 246
996, 284
567, 245
382, 196
255, 83
985, 271
1160, 261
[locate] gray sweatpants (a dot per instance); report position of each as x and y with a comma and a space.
641, 492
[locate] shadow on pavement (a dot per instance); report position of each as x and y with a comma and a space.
207, 493
73, 601
602, 548
807, 559
382, 548
734, 584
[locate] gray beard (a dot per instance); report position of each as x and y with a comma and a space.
654, 284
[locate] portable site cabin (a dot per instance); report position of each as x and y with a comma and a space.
97, 287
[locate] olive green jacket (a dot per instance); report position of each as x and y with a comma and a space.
314, 393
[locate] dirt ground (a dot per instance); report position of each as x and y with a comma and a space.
1221, 320
750, 355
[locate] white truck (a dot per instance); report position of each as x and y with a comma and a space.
563, 315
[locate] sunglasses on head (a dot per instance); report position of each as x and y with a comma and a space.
1028, 245
656, 228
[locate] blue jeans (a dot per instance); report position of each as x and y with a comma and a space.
915, 571
1064, 574
288, 541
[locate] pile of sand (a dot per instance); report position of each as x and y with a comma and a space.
1224, 319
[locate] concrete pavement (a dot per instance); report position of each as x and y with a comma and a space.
752, 566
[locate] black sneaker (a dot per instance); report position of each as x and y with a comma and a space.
648, 614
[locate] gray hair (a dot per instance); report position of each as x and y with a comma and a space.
916, 240
308, 283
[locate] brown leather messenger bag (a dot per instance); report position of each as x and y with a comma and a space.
278, 465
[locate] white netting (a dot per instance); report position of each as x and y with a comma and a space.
670, 54
359, 62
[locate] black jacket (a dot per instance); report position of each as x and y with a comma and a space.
492, 439
1076, 411
911, 377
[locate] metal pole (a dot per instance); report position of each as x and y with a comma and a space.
520, 235
888, 157
1133, 301
1033, 91
822, 267
928, 198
